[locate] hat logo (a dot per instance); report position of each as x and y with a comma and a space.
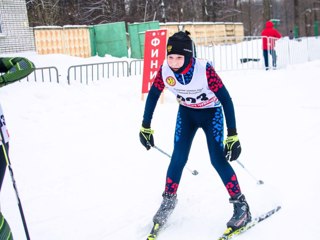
171, 81
169, 48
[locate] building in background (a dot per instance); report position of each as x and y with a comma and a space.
15, 33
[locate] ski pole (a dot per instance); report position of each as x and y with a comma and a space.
194, 172
5, 152
259, 182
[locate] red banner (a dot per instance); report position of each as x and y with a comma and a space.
154, 55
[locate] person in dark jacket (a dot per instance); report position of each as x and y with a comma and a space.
203, 101
269, 36
291, 35
12, 69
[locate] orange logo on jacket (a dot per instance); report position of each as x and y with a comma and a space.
171, 81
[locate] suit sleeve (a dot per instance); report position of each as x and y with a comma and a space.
152, 99
216, 85
277, 34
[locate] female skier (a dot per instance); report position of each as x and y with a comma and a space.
204, 100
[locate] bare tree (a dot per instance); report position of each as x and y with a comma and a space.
43, 12
137, 10
266, 10
102, 11
300, 14
296, 15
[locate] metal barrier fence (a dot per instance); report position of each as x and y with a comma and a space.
229, 53
97, 71
298, 51
136, 67
43, 73
236, 53
240, 53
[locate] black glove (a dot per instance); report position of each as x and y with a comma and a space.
146, 137
232, 148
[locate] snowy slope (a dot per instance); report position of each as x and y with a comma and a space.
82, 173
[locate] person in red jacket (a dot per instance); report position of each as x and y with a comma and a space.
269, 36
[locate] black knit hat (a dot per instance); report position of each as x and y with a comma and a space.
180, 43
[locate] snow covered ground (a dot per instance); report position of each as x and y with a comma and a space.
82, 173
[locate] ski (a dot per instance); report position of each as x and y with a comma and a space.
229, 233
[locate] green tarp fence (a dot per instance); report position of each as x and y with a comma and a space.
136, 33
110, 39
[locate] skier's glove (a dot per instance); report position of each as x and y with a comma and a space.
17, 68
146, 137
2, 81
232, 148
10, 62
17, 60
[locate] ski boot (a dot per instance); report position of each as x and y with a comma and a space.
241, 213
168, 204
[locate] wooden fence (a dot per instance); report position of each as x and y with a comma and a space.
207, 32
73, 40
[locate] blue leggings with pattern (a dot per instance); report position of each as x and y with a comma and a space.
211, 121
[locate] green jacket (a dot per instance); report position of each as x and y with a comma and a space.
14, 69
